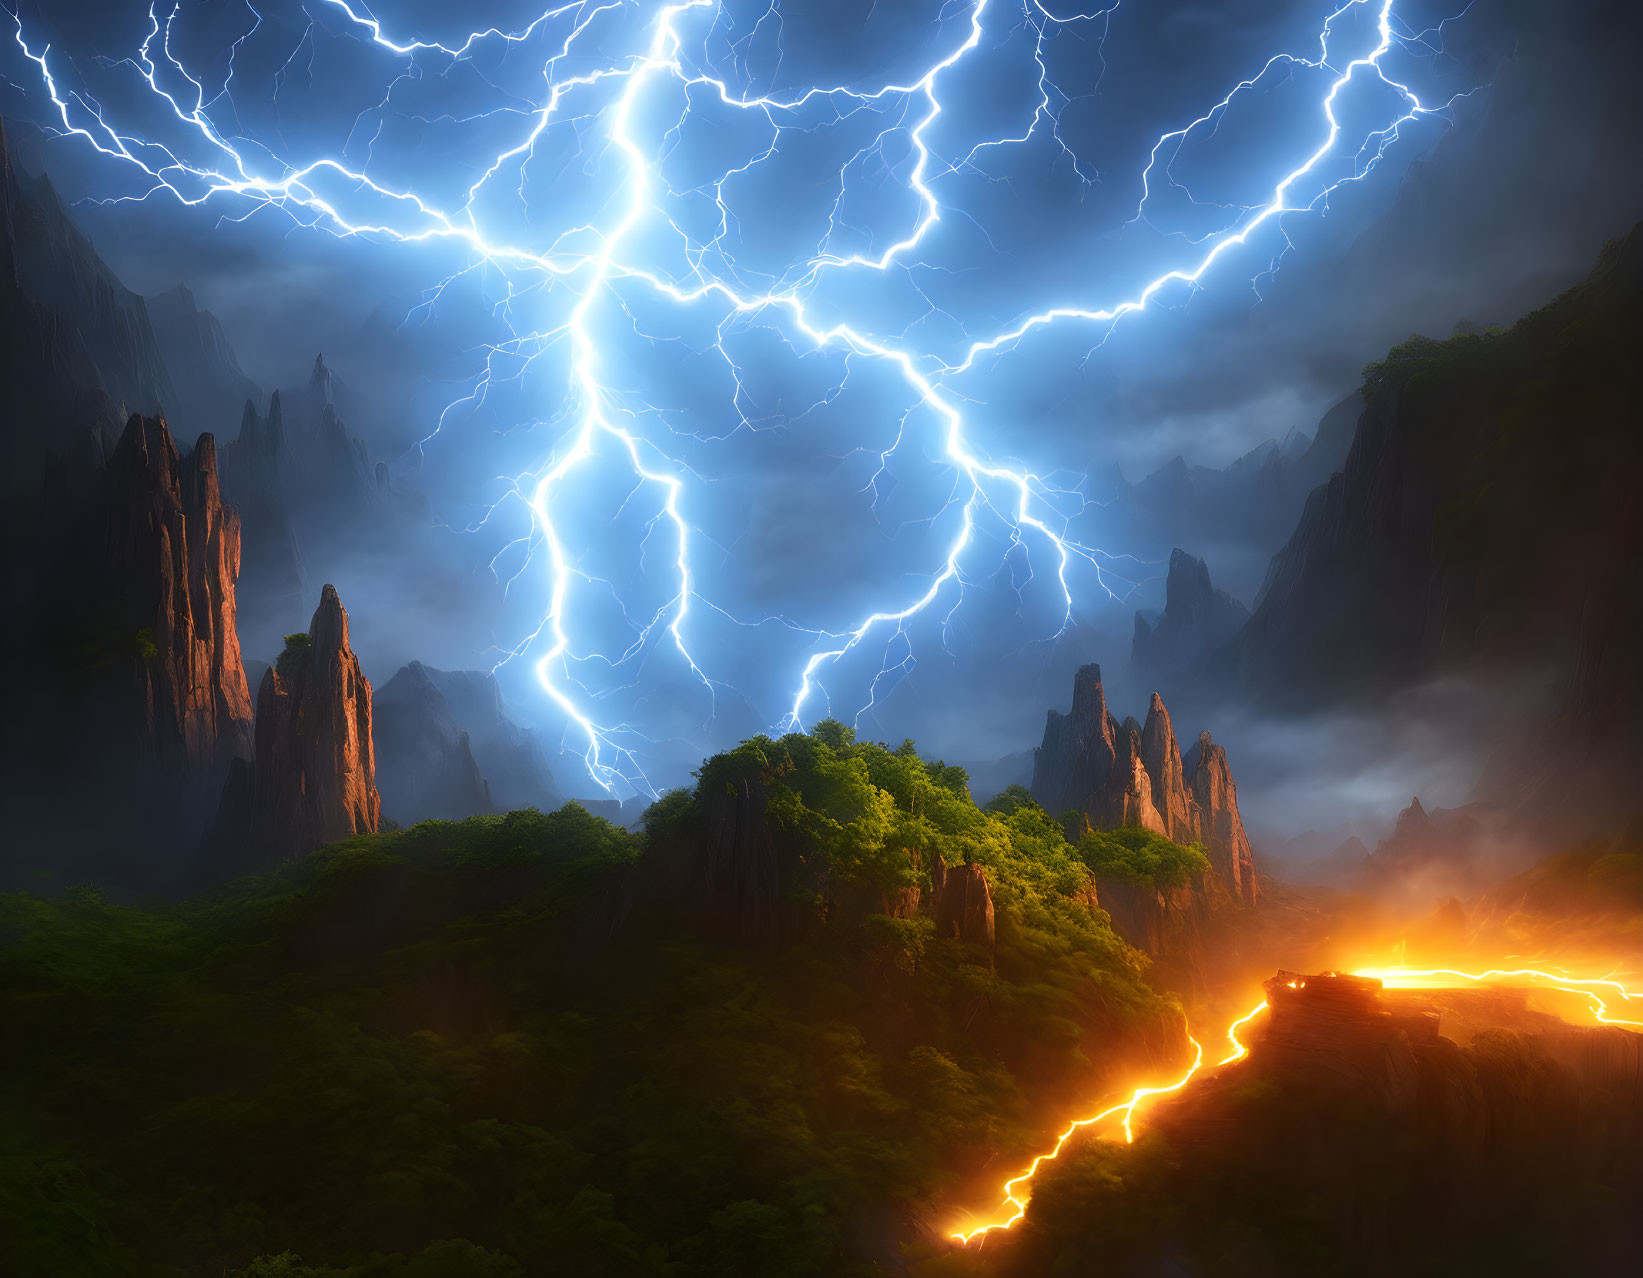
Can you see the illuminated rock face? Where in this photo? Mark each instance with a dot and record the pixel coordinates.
(962, 904)
(314, 777)
(1135, 775)
(173, 555)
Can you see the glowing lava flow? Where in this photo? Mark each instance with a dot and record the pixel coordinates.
(1417, 978)
(1595, 989)
(1016, 1204)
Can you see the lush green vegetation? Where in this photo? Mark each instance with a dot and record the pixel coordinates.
(1141, 857)
(515, 1045)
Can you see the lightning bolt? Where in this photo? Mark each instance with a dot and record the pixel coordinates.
(606, 261)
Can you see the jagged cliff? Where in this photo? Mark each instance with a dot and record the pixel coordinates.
(425, 761)
(173, 556)
(57, 268)
(1197, 619)
(258, 469)
(136, 700)
(60, 406)
(1131, 774)
(1485, 515)
(313, 778)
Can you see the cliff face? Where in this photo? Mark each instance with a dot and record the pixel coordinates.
(314, 776)
(1135, 775)
(962, 904)
(1073, 766)
(750, 882)
(173, 554)
(1484, 515)
(1197, 619)
(1215, 798)
(59, 403)
(135, 701)
(425, 762)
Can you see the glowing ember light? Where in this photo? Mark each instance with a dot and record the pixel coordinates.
(1595, 989)
(1589, 988)
(1015, 1201)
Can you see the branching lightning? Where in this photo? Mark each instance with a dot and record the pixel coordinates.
(606, 261)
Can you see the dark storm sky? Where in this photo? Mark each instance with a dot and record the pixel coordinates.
(1478, 216)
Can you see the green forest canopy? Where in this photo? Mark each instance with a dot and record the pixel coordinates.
(482, 1048)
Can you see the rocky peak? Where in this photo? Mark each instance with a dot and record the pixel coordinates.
(319, 381)
(259, 456)
(1130, 799)
(1079, 750)
(314, 775)
(173, 555)
(1161, 754)
(1197, 619)
(1187, 588)
(276, 417)
(1209, 779)
(1412, 821)
(1132, 775)
(250, 425)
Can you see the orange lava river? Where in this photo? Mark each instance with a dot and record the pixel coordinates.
(1599, 992)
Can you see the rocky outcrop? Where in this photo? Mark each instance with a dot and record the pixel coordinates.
(1220, 827)
(173, 556)
(1130, 796)
(961, 904)
(1073, 766)
(1135, 775)
(1161, 755)
(1197, 619)
(1149, 917)
(313, 779)
(261, 455)
(425, 762)
(1443, 850)
(134, 700)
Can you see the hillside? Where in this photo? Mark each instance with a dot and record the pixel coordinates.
(524, 1044)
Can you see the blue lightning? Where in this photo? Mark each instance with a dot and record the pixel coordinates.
(603, 260)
